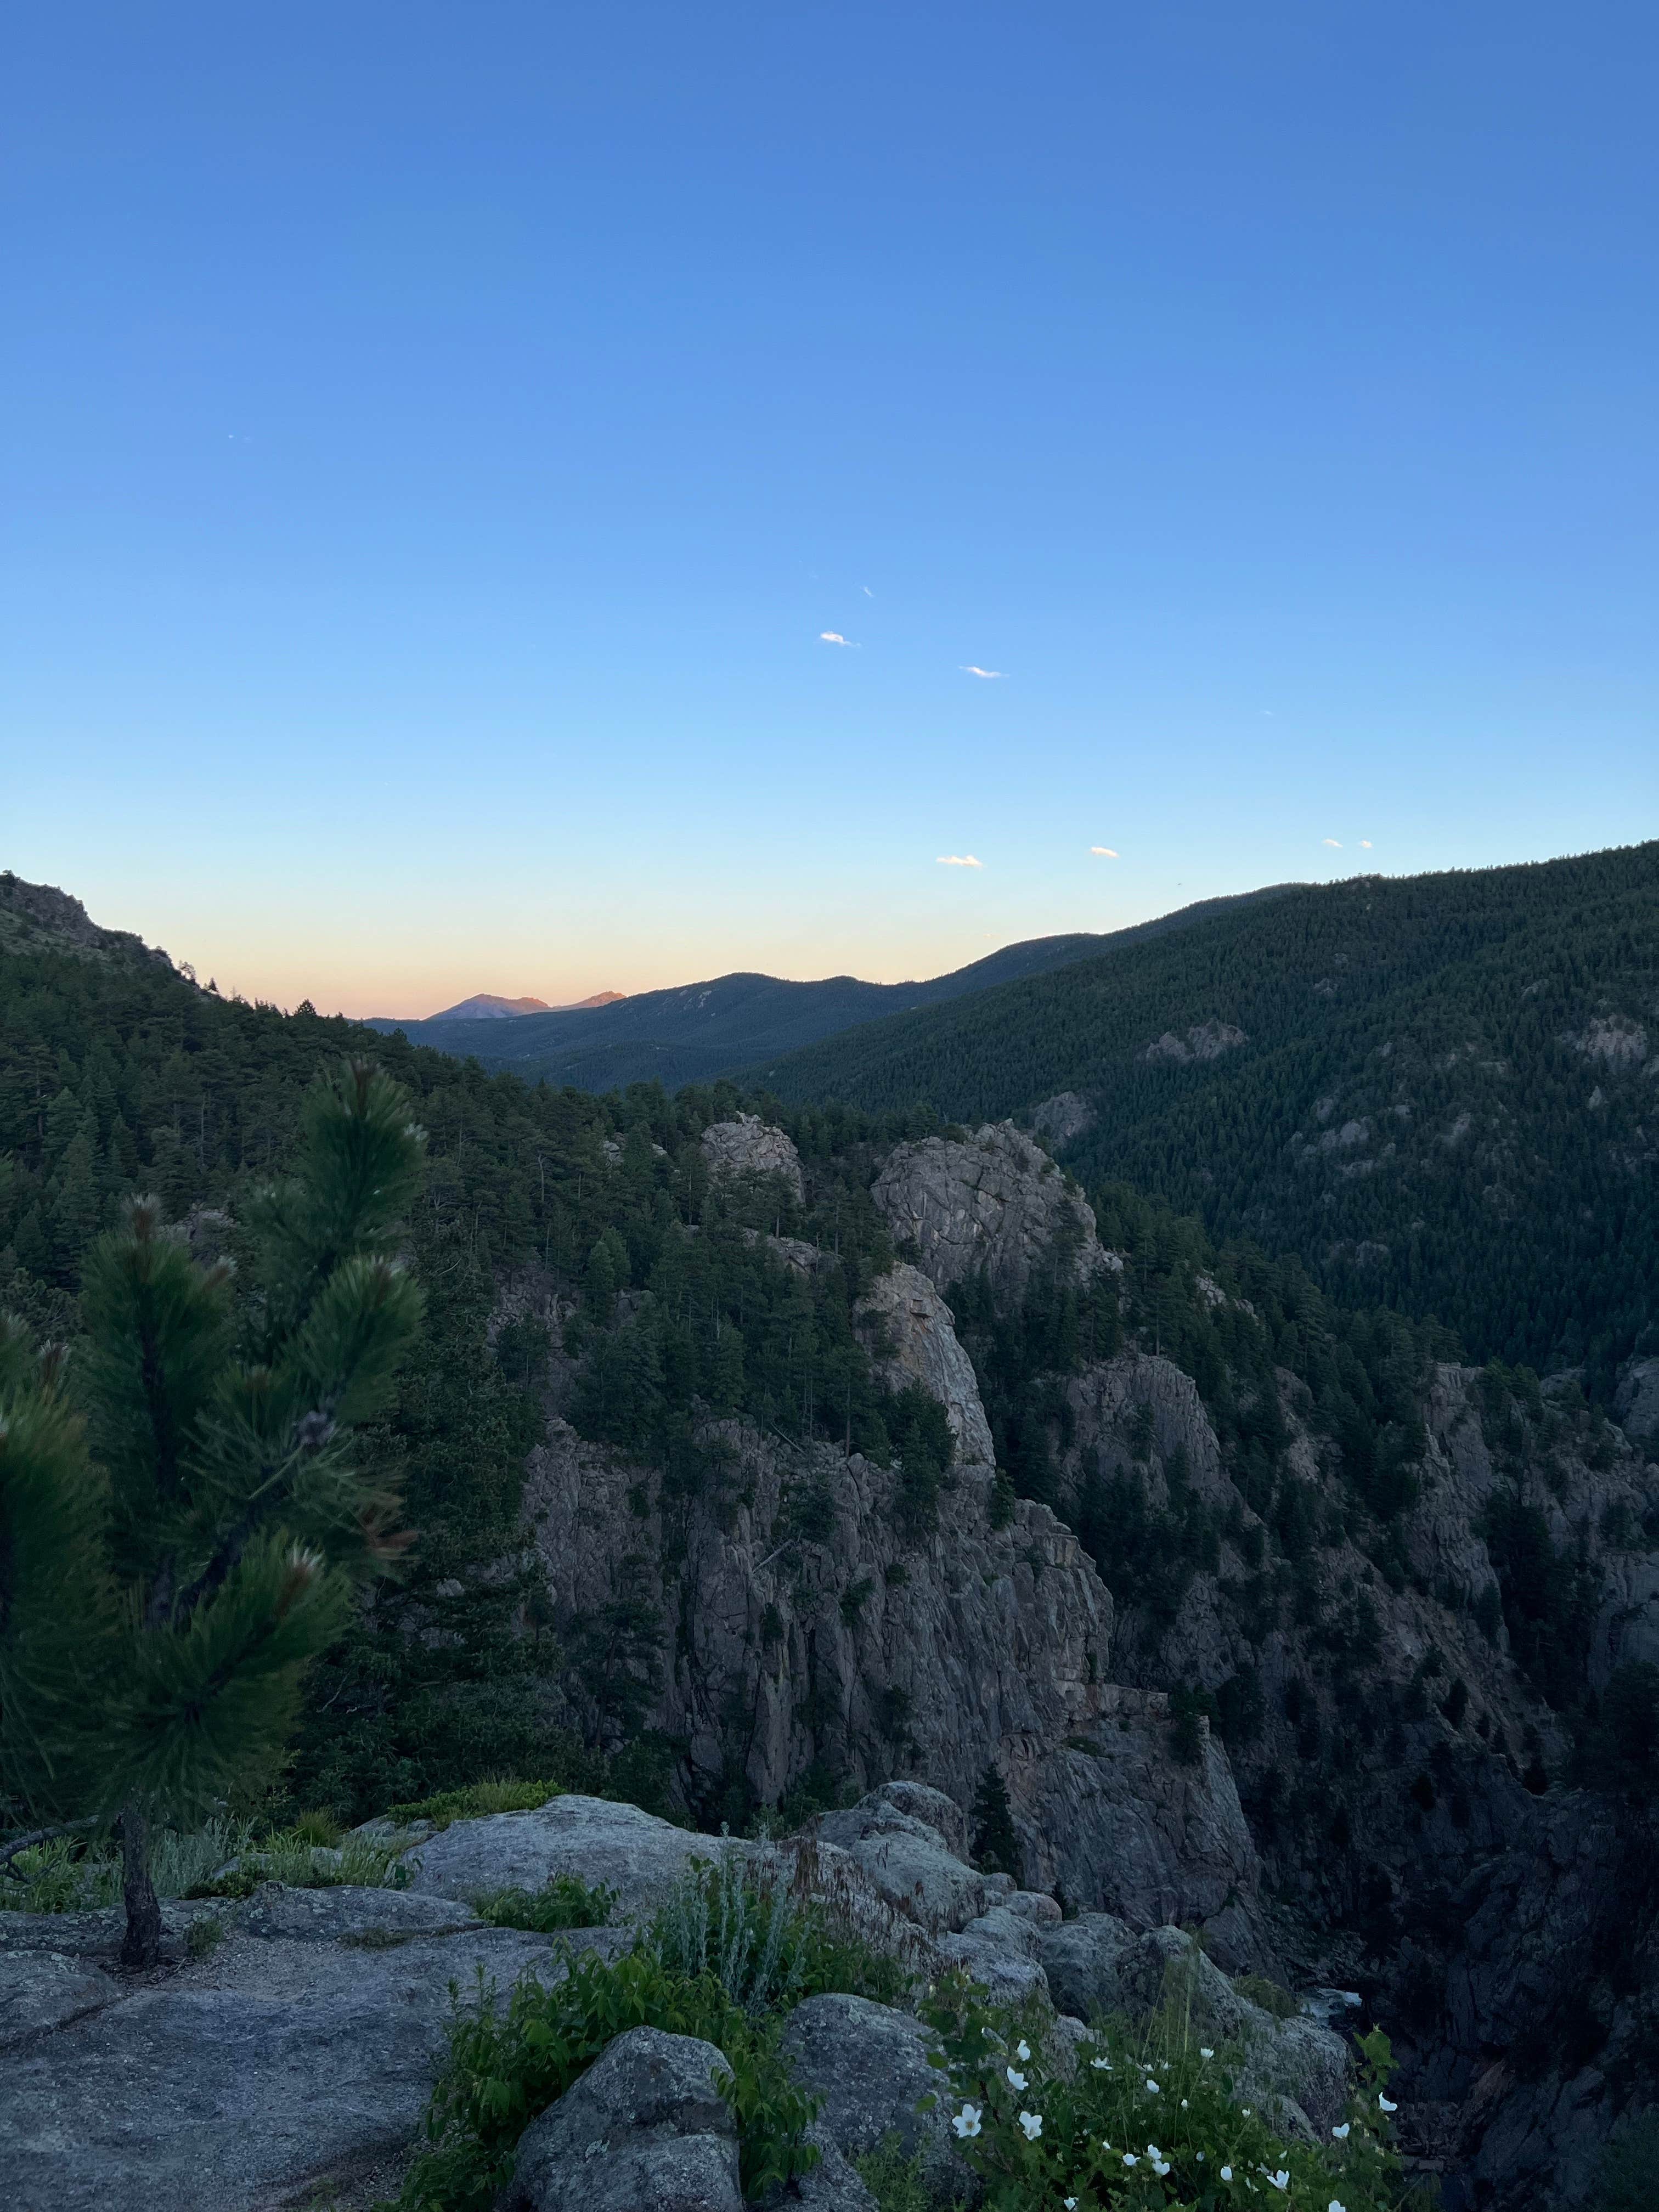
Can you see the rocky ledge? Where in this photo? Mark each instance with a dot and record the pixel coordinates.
(285, 2049)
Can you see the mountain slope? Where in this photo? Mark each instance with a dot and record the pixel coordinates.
(1442, 1091)
(38, 918)
(698, 1031)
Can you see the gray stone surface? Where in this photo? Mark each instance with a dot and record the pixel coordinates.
(1204, 1040)
(994, 1201)
(1062, 1117)
(868, 2065)
(931, 1807)
(1637, 1402)
(1083, 1959)
(282, 2061)
(908, 1862)
(1034, 1905)
(909, 1325)
(999, 1950)
(832, 2186)
(639, 1856)
(750, 1146)
(996, 1637)
(645, 2130)
(43, 1989)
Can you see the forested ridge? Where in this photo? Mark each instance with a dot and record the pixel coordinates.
(117, 1075)
(1443, 1098)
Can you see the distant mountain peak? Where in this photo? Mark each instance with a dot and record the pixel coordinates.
(488, 1006)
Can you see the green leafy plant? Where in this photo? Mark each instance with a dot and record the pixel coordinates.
(506, 2066)
(567, 1901)
(1139, 2122)
(473, 1802)
(766, 1941)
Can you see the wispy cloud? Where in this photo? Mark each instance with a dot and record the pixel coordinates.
(991, 674)
(958, 860)
(834, 637)
(1335, 843)
(866, 590)
(1105, 852)
(1365, 844)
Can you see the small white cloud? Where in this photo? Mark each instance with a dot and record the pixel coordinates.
(866, 590)
(1105, 852)
(991, 674)
(1365, 844)
(1335, 843)
(834, 637)
(958, 860)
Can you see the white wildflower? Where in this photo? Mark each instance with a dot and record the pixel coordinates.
(1015, 2080)
(1387, 2104)
(1226, 2173)
(1334, 2206)
(1129, 2159)
(1022, 2051)
(1101, 2065)
(966, 2122)
(1160, 2166)
(1205, 2051)
(1071, 2204)
(1032, 2123)
(1184, 2104)
(1152, 2086)
(1282, 2180)
(1341, 2133)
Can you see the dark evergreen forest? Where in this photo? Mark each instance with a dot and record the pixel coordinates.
(1444, 1099)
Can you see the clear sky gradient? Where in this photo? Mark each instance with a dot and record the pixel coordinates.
(435, 439)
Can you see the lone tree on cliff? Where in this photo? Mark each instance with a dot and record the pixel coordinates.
(182, 1517)
(996, 1841)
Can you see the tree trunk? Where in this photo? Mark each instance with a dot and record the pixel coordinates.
(141, 1946)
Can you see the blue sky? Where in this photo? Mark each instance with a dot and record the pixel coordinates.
(434, 440)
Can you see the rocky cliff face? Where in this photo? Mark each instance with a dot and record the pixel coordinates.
(782, 1628)
(1390, 1812)
(993, 1202)
(911, 1336)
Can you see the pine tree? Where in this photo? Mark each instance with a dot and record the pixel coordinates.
(179, 1542)
(996, 1843)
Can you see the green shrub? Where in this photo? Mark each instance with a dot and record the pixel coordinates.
(1268, 1995)
(897, 2183)
(1141, 2122)
(567, 1901)
(766, 1947)
(473, 1802)
(504, 2068)
(223, 1858)
(1628, 2179)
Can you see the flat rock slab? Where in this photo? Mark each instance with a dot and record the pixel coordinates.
(283, 2063)
(43, 1989)
(640, 1857)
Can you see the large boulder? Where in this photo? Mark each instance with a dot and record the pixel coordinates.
(867, 2065)
(639, 1856)
(1096, 1964)
(645, 2130)
(1295, 2069)
(999, 1950)
(993, 1202)
(749, 1147)
(909, 1862)
(915, 1341)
